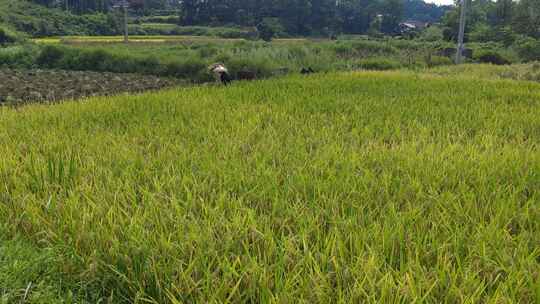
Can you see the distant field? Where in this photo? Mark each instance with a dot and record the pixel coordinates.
(136, 38)
(367, 187)
(152, 38)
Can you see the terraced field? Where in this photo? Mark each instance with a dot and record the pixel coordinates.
(366, 187)
(132, 38)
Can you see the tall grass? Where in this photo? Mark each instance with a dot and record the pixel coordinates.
(373, 187)
(189, 58)
(178, 56)
(530, 72)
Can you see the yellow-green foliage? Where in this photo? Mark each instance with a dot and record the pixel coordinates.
(152, 38)
(132, 38)
(372, 187)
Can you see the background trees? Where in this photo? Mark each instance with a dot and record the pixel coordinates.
(487, 19)
(499, 20)
(298, 17)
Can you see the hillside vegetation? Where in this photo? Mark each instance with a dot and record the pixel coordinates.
(370, 187)
(38, 21)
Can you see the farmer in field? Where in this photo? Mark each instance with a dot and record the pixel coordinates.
(221, 73)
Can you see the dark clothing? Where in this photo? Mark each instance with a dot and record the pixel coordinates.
(225, 78)
(305, 71)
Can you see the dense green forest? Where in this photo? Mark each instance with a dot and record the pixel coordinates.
(496, 20)
(511, 23)
(487, 20)
(299, 17)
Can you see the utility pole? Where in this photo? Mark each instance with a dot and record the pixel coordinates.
(123, 4)
(126, 34)
(459, 52)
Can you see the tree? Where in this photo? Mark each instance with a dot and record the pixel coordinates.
(294, 17)
(503, 12)
(527, 18)
(269, 28)
(392, 11)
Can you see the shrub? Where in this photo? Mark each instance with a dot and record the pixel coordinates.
(222, 57)
(124, 64)
(380, 64)
(448, 34)
(192, 68)
(7, 37)
(528, 48)
(95, 60)
(17, 56)
(432, 33)
(233, 33)
(298, 52)
(531, 76)
(58, 57)
(270, 28)
(343, 50)
(222, 32)
(209, 51)
(492, 57)
(259, 66)
(50, 56)
(160, 19)
(486, 33)
(363, 48)
(148, 65)
(373, 47)
(434, 61)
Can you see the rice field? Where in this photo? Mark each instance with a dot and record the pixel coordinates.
(364, 187)
(157, 39)
(524, 71)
